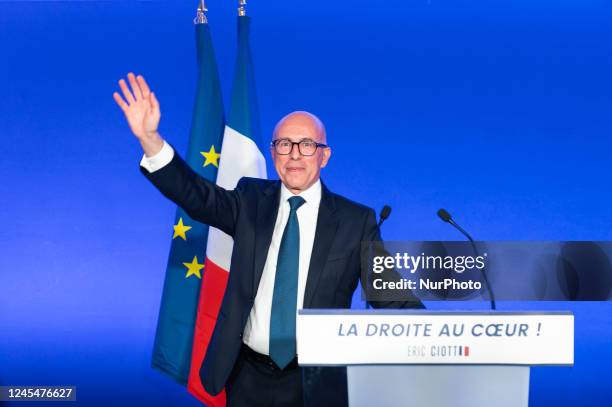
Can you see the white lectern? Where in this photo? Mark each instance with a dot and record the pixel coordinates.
(432, 358)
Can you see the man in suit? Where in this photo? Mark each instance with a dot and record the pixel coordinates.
(296, 245)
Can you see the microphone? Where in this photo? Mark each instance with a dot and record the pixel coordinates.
(446, 217)
(384, 214)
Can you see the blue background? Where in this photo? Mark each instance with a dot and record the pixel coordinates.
(498, 111)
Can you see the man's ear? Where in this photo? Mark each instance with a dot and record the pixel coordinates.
(326, 154)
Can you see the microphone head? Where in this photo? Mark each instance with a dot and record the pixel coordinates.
(385, 212)
(444, 215)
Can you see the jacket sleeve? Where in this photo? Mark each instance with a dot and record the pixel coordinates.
(372, 234)
(202, 200)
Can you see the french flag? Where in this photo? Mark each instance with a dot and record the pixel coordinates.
(241, 156)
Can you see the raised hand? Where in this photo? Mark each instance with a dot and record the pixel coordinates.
(141, 110)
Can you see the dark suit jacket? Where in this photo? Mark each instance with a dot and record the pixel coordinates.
(248, 214)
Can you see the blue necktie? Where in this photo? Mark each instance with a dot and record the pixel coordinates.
(282, 317)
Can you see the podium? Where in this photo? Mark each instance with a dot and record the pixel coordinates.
(433, 358)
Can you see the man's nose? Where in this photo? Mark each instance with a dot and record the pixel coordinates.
(295, 152)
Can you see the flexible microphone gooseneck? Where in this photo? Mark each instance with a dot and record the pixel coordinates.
(384, 214)
(446, 217)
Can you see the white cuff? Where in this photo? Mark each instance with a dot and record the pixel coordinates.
(159, 160)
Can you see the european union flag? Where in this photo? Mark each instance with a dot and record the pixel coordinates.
(179, 303)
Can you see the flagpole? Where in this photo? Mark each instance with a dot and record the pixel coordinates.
(200, 17)
(241, 8)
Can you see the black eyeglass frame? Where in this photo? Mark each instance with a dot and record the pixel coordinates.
(318, 145)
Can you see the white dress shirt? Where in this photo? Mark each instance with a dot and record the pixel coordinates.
(257, 330)
(159, 160)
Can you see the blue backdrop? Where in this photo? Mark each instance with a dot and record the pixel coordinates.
(498, 111)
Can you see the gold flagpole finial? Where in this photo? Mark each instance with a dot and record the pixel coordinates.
(241, 8)
(200, 17)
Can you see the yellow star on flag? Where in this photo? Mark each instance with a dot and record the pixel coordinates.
(180, 229)
(212, 157)
(194, 268)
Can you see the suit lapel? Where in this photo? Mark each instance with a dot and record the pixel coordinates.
(327, 223)
(267, 210)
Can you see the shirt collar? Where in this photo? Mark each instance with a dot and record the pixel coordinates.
(312, 195)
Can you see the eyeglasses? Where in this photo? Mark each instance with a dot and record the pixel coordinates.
(306, 147)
